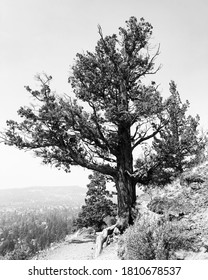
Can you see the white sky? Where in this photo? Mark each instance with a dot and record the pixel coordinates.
(45, 35)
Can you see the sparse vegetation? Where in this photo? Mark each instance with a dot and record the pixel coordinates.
(155, 240)
(179, 230)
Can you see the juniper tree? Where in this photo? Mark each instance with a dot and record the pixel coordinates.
(178, 143)
(118, 112)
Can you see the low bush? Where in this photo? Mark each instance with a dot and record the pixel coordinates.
(155, 240)
(159, 205)
(163, 205)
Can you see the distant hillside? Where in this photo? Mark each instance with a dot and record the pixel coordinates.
(42, 196)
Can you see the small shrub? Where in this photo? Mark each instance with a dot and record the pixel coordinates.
(191, 177)
(164, 205)
(18, 254)
(154, 240)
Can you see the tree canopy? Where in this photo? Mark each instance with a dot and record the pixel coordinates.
(109, 81)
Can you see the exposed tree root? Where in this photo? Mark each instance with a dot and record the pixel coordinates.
(118, 228)
(102, 238)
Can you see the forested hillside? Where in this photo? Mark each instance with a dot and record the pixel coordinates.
(34, 218)
(39, 196)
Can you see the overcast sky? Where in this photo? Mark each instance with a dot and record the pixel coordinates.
(45, 35)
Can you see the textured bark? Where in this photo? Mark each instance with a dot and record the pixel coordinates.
(125, 185)
(126, 198)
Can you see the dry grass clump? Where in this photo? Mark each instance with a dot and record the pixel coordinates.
(155, 240)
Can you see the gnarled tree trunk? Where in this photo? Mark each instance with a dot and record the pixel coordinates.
(126, 197)
(125, 185)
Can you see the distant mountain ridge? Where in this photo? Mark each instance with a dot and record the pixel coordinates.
(42, 195)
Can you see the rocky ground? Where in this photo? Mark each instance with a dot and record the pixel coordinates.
(185, 200)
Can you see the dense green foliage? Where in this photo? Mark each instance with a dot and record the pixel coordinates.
(98, 204)
(24, 233)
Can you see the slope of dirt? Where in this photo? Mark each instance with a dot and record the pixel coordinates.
(185, 200)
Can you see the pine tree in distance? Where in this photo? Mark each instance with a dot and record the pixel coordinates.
(98, 204)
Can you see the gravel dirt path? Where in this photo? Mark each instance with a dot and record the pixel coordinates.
(77, 251)
(71, 251)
